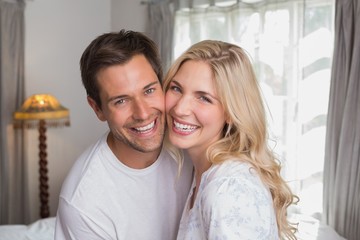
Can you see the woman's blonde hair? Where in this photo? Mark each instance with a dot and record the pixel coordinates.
(245, 135)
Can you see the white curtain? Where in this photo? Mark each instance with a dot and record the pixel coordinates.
(342, 158)
(13, 197)
(291, 45)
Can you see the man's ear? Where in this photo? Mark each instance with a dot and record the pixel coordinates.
(96, 108)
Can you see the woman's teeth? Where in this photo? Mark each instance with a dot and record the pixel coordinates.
(184, 127)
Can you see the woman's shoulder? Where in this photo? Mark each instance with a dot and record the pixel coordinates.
(231, 169)
(234, 176)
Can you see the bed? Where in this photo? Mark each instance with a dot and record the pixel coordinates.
(310, 228)
(43, 229)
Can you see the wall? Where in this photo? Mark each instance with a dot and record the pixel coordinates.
(56, 33)
(128, 14)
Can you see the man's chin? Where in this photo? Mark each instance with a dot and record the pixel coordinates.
(148, 148)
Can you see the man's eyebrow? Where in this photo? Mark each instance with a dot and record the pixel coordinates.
(151, 84)
(116, 97)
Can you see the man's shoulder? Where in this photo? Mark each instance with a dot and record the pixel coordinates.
(81, 168)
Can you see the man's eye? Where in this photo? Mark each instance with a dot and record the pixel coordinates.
(120, 101)
(151, 90)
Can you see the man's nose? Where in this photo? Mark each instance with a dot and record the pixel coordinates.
(141, 109)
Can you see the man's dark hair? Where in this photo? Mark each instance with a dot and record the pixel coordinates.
(115, 48)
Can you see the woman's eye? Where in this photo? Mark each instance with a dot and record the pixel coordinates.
(175, 88)
(205, 99)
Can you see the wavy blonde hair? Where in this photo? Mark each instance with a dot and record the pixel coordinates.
(245, 136)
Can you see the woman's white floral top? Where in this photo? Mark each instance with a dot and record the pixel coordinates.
(231, 203)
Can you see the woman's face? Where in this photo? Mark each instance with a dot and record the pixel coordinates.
(194, 113)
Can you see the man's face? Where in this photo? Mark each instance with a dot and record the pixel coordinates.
(132, 104)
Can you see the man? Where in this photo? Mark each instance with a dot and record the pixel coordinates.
(126, 186)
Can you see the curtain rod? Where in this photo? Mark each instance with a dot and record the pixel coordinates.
(12, 1)
(147, 2)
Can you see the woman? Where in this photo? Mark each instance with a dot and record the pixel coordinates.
(216, 116)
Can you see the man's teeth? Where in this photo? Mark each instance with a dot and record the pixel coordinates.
(146, 128)
(184, 127)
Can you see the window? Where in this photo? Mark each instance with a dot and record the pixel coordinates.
(291, 45)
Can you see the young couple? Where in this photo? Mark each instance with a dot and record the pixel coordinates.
(208, 175)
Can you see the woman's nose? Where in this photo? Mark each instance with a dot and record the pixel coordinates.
(183, 106)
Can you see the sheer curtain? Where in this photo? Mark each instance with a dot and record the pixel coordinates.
(291, 45)
(160, 28)
(13, 196)
(342, 162)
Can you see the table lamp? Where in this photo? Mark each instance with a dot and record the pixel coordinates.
(42, 111)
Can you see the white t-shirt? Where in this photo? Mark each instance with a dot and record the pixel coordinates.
(102, 198)
(231, 203)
